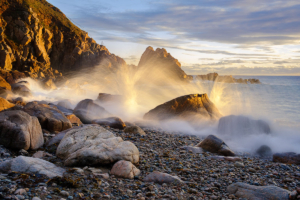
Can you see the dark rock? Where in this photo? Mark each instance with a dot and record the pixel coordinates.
(242, 125)
(21, 89)
(113, 122)
(288, 157)
(214, 144)
(264, 151)
(243, 190)
(50, 118)
(86, 110)
(18, 130)
(185, 107)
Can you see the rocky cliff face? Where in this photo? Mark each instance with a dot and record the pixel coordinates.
(38, 39)
(160, 65)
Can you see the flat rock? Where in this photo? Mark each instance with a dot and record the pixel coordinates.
(192, 149)
(18, 130)
(50, 118)
(31, 165)
(288, 157)
(159, 177)
(41, 154)
(214, 144)
(113, 122)
(125, 169)
(243, 190)
(134, 130)
(94, 145)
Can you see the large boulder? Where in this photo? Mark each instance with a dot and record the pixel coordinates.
(124, 169)
(214, 144)
(50, 118)
(185, 107)
(242, 125)
(87, 110)
(94, 145)
(4, 104)
(288, 157)
(31, 165)
(245, 191)
(18, 130)
(113, 122)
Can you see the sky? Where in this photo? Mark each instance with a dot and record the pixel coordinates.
(231, 37)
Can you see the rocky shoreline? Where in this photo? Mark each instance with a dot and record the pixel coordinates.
(202, 175)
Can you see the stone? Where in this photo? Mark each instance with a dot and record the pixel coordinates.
(214, 144)
(50, 118)
(159, 177)
(113, 122)
(73, 119)
(124, 169)
(245, 191)
(288, 157)
(4, 104)
(136, 130)
(188, 107)
(94, 145)
(18, 130)
(31, 165)
(41, 154)
(21, 89)
(86, 110)
(241, 125)
(239, 164)
(264, 151)
(4, 84)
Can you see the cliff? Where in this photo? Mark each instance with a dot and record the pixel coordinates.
(38, 39)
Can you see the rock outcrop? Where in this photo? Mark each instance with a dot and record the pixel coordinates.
(38, 39)
(31, 165)
(18, 130)
(94, 145)
(185, 107)
(4, 104)
(241, 125)
(214, 144)
(160, 67)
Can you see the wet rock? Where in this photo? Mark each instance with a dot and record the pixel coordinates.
(4, 104)
(18, 130)
(214, 144)
(86, 110)
(242, 125)
(159, 177)
(113, 122)
(288, 157)
(94, 145)
(50, 118)
(185, 107)
(31, 165)
(243, 190)
(134, 130)
(124, 169)
(21, 89)
(264, 151)
(73, 119)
